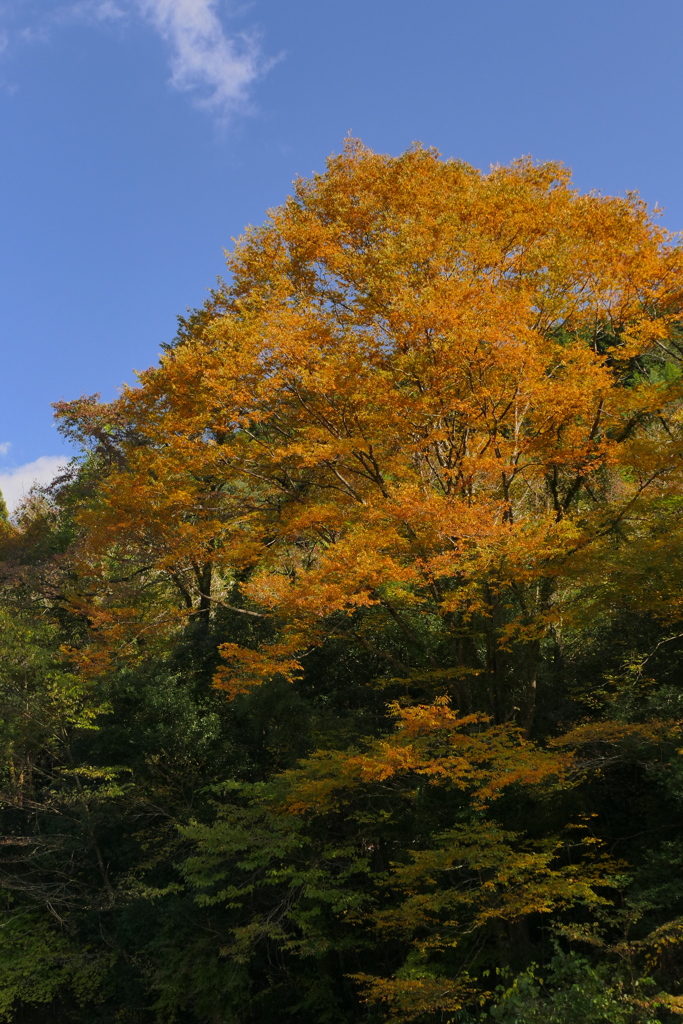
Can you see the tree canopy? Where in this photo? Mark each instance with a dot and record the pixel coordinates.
(341, 673)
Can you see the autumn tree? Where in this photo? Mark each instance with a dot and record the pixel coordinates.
(340, 673)
(435, 413)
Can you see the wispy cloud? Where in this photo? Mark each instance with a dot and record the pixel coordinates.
(203, 55)
(216, 65)
(5, 447)
(16, 483)
(94, 10)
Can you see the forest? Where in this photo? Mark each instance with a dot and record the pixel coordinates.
(341, 673)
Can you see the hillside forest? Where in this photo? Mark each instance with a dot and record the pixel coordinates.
(341, 673)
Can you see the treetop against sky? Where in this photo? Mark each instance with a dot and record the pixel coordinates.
(419, 378)
(140, 136)
(340, 675)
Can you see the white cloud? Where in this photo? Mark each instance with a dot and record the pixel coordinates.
(5, 447)
(207, 59)
(203, 55)
(16, 483)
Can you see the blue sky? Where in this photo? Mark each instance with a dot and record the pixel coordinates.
(138, 136)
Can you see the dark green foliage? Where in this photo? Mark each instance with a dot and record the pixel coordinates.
(569, 990)
(150, 875)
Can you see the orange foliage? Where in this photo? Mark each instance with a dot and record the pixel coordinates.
(425, 396)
